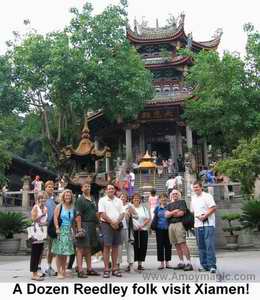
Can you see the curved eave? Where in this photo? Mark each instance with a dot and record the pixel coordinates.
(164, 103)
(207, 45)
(138, 39)
(171, 101)
(180, 61)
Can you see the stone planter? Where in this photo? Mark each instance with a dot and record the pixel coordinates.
(10, 246)
(256, 239)
(192, 245)
(232, 242)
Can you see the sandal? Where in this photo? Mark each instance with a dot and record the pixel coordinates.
(140, 268)
(106, 274)
(161, 268)
(82, 275)
(92, 273)
(128, 269)
(116, 273)
(37, 278)
(169, 267)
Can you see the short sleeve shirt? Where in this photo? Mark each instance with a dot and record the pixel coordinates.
(180, 204)
(113, 208)
(50, 204)
(86, 209)
(200, 205)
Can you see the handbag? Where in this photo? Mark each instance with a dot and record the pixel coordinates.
(188, 219)
(155, 220)
(51, 226)
(100, 243)
(37, 232)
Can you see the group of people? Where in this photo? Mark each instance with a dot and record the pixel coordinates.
(174, 182)
(83, 228)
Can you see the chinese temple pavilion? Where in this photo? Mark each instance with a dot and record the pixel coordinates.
(159, 127)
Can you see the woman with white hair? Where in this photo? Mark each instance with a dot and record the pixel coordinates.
(175, 210)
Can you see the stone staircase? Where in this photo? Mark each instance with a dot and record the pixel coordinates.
(152, 246)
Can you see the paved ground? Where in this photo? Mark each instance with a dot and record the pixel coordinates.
(232, 266)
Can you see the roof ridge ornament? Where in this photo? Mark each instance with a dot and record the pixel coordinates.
(135, 25)
(218, 33)
(181, 19)
(85, 131)
(189, 40)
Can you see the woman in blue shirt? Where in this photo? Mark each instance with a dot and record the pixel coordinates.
(164, 248)
(62, 246)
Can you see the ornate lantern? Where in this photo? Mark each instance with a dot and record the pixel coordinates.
(147, 172)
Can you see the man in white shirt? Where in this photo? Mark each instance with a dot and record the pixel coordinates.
(111, 215)
(132, 178)
(170, 184)
(203, 206)
(179, 181)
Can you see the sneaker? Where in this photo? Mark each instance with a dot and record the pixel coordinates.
(213, 270)
(50, 272)
(202, 270)
(180, 266)
(188, 267)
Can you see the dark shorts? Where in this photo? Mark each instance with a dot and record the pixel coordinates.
(111, 237)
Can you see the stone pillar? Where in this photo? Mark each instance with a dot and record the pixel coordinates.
(96, 162)
(107, 165)
(128, 139)
(205, 153)
(179, 141)
(120, 148)
(173, 147)
(189, 137)
(141, 142)
(25, 192)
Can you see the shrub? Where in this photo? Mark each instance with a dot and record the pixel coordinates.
(230, 217)
(12, 223)
(250, 217)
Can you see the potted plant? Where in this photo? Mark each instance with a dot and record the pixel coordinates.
(250, 218)
(231, 230)
(10, 224)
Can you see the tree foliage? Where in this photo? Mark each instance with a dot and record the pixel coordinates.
(10, 96)
(88, 66)
(244, 164)
(226, 103)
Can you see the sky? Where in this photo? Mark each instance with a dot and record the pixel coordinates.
(203, 17)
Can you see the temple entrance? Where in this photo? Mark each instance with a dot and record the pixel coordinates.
(162, 149)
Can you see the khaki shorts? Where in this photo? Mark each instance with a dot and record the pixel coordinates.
(177, 233)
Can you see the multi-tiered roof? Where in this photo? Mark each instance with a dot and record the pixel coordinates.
(167, 66)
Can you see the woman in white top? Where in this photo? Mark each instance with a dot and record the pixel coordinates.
(140, 224)
(127, 237)
(39, 218)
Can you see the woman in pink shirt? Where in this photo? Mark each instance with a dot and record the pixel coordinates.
(153, 201)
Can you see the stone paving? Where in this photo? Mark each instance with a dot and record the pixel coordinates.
(240, 266)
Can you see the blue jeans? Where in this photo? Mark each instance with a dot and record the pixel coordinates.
(205, 237)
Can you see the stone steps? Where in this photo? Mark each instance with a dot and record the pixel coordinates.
(152, 246)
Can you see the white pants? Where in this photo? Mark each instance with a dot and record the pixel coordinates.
(128, 246)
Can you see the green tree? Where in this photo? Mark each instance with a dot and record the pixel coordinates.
(10, 96)
(88, 66)
(119, 83)
(226, 102)
(10, 141)
(244, 164)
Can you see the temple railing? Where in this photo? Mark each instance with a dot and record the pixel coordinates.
(172, 93)
(16, 199)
